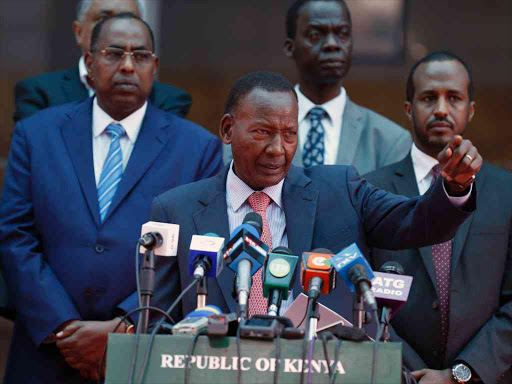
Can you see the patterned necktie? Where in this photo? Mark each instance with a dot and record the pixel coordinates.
(442, 255)
(314, 148)
(112, 170)
(259, 202)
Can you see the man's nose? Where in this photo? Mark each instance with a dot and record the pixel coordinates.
(275, 146)
(127, 63)
(441, 109)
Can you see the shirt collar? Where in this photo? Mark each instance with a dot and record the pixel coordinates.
(422, 163)
(82, 71)
(238, 192)
(332, 107)
(131, 123)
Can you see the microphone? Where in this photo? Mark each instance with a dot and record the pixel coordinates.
(205, 255)
(245, 254)
(159, 239)
(278, 274)
(391, 287)
(356, 272)
(162, 238)
(317, 275)
(196, 321)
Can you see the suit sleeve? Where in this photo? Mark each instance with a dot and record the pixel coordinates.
(410, 357)
(489, 353)
(42, 304)
(28, 99)
(396, 222)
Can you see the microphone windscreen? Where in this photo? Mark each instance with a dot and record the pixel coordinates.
(255, 220)
(322, 250)
(392, 267)
(282, 250)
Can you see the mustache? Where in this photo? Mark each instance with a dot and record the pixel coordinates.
(437, 121)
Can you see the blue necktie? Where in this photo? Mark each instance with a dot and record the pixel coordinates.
(314, 148)
(112, 170)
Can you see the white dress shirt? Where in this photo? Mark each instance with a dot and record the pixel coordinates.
(82, 71)
(332, 123)
(101, 140)
(237, 193)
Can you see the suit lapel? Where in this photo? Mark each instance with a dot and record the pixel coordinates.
(462, 233)
(78, 140)
(404, 182)
(350, 134)
(73, 87)
(150, 142)
(300, 208)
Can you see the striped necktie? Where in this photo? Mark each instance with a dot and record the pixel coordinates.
(112, 170)
(259, 201)
(314, 148)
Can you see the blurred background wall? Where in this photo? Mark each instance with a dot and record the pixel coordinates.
(205, 45)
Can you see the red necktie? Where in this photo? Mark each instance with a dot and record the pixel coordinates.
(259, 202)
(441, 256)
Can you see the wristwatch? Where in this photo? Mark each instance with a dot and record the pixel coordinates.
(461, 373)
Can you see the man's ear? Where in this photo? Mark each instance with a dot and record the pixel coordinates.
(77, 30)
(289, 48)
(227, 124)
(408, 110)
(472, 107)
(88, 65)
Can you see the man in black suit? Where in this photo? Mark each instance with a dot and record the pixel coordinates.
(56, 88)
(458, 318)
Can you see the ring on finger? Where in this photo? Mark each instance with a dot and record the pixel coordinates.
(469, 157)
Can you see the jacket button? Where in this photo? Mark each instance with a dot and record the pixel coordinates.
(99, 248)
(435, 305)
(435, 352)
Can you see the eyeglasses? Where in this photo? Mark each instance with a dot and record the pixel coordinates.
(117, 55)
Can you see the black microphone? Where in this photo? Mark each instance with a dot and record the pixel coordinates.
(391, 289)
(245, 254)
(277, 277)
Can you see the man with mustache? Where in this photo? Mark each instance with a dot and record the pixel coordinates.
(78, 187)
(457, 323)
(303, 209)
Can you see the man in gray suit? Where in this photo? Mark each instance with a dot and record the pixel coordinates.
(332, 128)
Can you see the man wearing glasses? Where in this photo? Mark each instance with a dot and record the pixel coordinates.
(60, 87)
(78, 187)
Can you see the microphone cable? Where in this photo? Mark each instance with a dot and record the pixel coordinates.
(190, 353)
(278, 358)
(157, 328)
(305, 341)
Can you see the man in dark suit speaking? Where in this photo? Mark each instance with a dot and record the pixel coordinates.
(56, 88)
(78, 186)
(325, 206)
(459, 311)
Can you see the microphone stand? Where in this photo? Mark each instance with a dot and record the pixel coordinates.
(274, 302)
(358, 314)
(202, 291)
(384, 319)
(313, 320)
(147, 286)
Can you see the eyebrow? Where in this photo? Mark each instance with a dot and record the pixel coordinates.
(139, 48)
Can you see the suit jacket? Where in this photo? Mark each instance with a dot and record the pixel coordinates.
(61, 262)
(55, 88)
(368, 140)
(328, 206)
(480, 327)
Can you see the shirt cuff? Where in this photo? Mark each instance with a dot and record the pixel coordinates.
(459, 201)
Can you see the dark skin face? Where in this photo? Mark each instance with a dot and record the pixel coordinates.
(262, 131)
(441, 108)
(121, 88)
(322, 49)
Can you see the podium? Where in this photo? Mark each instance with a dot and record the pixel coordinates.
(216, 361)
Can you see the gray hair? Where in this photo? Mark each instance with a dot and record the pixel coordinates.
(84, 5)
